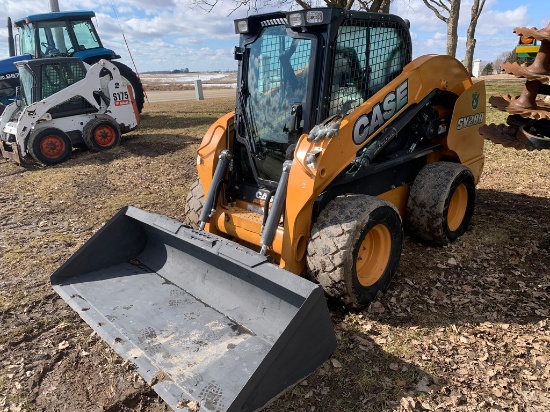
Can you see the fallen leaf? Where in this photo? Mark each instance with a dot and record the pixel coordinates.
(193, 406)
(63, 345)
(336, 363)
(423, 385)
(408, 404)
(377, 307)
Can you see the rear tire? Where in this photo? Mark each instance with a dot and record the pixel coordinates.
(130, 77)
(101, 133)
(355, 248)
(49, 146)
(441, 202)
(193, 204)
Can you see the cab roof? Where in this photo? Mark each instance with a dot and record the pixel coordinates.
(55, 16)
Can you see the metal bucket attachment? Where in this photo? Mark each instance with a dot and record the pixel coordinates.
(203, 319)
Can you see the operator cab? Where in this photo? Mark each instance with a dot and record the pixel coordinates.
(297, 69)
(66, 34)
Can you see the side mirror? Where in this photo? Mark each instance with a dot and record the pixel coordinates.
(238, 53)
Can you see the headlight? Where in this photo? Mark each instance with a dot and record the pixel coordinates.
(295, 19)
(241, 26)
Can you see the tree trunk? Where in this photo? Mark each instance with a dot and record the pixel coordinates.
(452, 27)
(470, 35)
(452, 7)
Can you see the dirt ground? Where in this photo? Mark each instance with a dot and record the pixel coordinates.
(462, 328)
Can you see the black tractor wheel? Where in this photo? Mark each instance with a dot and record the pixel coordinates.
(441, 202)
(49, 146)
(193, 204)
(101, 133)
(130, 77)
(355, 247)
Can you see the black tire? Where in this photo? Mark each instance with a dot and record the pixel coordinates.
(132, 78)
(355, 247)
(441, 202)
(101, 133)
(193, 204)
(49, 146)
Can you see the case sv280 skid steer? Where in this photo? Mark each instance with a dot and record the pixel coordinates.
(62, 103)
(337, 138)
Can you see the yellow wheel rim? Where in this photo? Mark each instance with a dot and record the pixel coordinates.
(457, 207)
(373, 255)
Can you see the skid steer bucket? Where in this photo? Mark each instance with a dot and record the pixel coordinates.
(203, 319)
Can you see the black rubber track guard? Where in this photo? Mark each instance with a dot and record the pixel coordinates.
(203, 319)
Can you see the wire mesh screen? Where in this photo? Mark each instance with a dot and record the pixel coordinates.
(368, 55)
(57, 76)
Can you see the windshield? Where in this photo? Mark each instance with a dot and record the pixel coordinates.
(54, 39)
(27, 85)
(276, 78)
(85, 35)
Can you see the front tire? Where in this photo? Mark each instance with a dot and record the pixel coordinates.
(441, 202)
(193, 204)
(49, 146)
(355, 247)
(131, 78)
(101, 133)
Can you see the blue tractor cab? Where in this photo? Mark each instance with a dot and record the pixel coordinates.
(66, 34)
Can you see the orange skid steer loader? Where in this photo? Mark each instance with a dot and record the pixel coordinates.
(338, 137)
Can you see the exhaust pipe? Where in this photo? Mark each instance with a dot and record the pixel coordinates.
(11, 41)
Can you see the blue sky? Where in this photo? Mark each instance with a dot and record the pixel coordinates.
(174, 34)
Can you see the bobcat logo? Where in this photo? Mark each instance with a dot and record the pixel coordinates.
(475, 100)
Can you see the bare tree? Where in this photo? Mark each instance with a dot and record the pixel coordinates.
(447, 11)
(377, 6)
(477, 8)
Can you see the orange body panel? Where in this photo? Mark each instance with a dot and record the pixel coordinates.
(464, 144)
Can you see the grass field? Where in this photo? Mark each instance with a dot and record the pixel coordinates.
(462, 328)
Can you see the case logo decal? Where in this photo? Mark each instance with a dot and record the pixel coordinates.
(382, 111)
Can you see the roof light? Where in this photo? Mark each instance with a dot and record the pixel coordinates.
(295, 19)
(314, 17)
(242, 26)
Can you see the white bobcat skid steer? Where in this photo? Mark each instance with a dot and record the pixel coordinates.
(63, 102)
